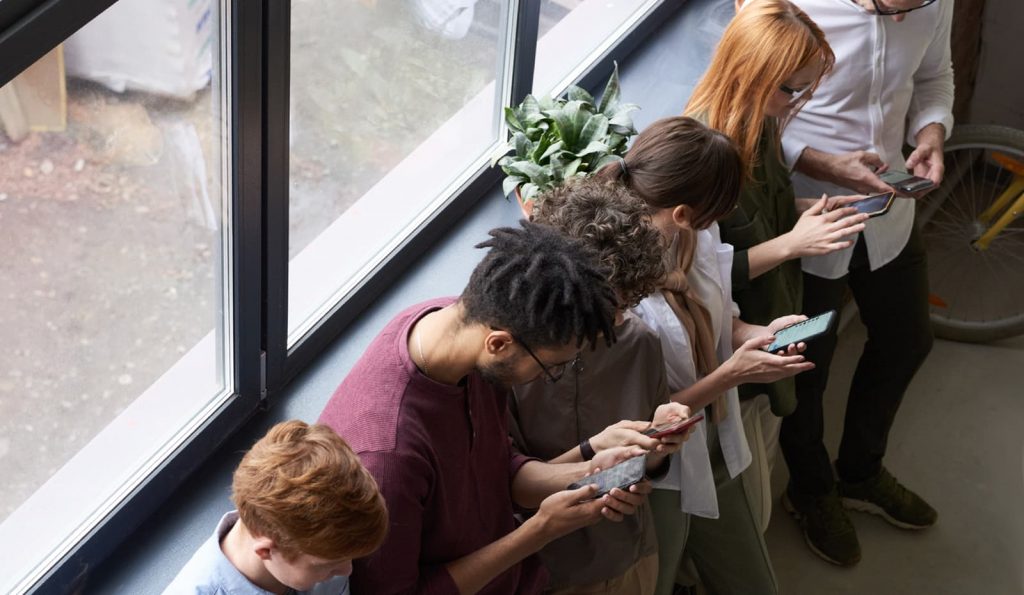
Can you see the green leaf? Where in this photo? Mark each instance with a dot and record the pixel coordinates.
(578, 94)
(534, 172)
(594, 147)
(529, 191)
(569, 122)
(610, 96)
(529, 106)
(571, 168)
(596, 129)
(603, 161)
(523, 145)
(556, 147)
(508, 186)
(512, 119)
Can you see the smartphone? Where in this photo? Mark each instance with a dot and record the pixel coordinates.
(876, 205)
(905, 182)
(804, 331)
(676, 427)
(620, 476)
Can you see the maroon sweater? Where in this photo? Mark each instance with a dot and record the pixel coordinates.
(442, 459)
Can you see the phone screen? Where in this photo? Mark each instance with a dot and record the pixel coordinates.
(897, 177)
(878, 203)
(801, 331)
(623, 475)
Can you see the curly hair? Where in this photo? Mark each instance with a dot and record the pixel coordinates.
(617, 224)
(303, 486)
(543, 287)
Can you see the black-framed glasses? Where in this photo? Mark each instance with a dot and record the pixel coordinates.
(891, 11)
(552, 373)
(795, 94)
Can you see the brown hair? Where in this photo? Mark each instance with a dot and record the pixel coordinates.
(679, 161)
(764, 44)
(302, 486)
(617, 224)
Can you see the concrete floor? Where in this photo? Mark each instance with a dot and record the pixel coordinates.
(958, 440)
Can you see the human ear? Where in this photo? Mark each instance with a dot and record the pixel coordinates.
(263, 546)
(498, 341)
(682, 215)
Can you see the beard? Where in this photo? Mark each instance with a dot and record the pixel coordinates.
(499, 373)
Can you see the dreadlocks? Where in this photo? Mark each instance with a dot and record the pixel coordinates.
(542, 287)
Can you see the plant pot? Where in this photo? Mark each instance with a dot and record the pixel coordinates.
(525, 206)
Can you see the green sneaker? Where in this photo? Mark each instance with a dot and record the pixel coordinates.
(886, 497)
(826, 526)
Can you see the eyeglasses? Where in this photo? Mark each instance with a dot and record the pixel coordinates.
(796, 94)
(554, 372)
(890, 11)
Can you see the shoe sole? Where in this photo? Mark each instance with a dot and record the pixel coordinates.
(868, 507)
(788, 505)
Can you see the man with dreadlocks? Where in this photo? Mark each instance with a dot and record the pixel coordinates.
(426, 410)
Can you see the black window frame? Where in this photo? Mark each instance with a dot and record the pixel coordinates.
(258, 80)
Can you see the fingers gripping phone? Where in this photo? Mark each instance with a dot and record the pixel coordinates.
(623, 475)
(876, 205)
(905, 182)
(804, 331)
(676, 427)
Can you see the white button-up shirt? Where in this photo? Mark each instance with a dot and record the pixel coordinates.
(890, 80)
(691, 473)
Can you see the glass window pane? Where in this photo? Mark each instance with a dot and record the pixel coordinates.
(392, 103)
(112, 199)
(575, 33)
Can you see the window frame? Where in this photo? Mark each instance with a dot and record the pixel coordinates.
(258, 32)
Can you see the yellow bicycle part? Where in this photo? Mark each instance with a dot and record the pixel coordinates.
(1015, 192)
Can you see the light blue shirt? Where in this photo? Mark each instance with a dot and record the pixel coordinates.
(209, 572)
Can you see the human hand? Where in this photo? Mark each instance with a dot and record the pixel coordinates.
(565, 511)
(623, 433)
(751, 364)
(619, 503)
(613, 456)
(858, 170)
(669, 413)
(821, 231)
(927, 159)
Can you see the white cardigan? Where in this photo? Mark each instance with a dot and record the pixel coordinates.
(691, 466)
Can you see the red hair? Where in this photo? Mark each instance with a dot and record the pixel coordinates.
(766, 42)
(302, 486)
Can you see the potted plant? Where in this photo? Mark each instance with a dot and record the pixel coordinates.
(553, 140)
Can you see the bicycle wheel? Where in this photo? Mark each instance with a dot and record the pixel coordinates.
(976, 295)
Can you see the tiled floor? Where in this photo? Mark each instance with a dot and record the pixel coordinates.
(958, 441)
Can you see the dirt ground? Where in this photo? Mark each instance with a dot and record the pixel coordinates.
(111, 228)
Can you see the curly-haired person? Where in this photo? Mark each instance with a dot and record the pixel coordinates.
(426, 409)
(306, 508)
(579, 416)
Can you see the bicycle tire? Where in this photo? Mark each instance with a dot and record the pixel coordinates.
(969, 287)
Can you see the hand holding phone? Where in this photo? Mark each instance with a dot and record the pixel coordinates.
(875, 205)
(906, 183)
(670, 429)
(623, 475)
(803, 332)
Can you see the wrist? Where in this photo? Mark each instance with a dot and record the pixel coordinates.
(537, 532)
(587, 450)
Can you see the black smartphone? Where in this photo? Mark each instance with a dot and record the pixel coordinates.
(905, 182)
(804, 331)
(620, 476)
(876, 205)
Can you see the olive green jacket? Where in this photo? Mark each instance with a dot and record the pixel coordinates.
(767, 209)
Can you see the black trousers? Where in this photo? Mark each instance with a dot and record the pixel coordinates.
(893, 304)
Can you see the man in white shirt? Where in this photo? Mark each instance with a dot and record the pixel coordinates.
(892, 83)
